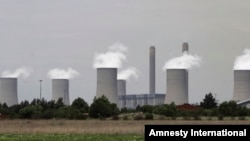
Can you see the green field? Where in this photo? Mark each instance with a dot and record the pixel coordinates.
(70, 137)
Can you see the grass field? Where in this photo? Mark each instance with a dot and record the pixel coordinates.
(70, 137)
(88, 130)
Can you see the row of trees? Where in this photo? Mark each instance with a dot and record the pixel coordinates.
(102, 108)
(42, 109)
(207, 108)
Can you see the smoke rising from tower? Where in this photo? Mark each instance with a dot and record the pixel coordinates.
(113, 58)
(186, 61)
(20, 72)
(128, 73)
(62, 74)
(243, 62)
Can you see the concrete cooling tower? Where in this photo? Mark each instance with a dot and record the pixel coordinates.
(152, 70)
(241, 85)
(107, 84)
(121, 87)
(60, 89)
(177, 86)
(8, 91)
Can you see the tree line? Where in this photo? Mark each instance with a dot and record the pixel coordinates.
(101, 108)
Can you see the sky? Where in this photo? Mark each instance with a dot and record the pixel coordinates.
(62, 34)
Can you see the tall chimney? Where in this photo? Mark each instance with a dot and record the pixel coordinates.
(152, 70)
(185, 47)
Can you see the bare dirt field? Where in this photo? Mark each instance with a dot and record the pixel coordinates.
(98, 126)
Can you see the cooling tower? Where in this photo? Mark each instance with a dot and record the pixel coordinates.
(152, 70)
(241, 85)
(177, 86)
(121, 87)
(8, 91)
(185, 47)
(107, 84)
(60, 89)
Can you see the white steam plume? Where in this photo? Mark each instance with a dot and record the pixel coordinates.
(186, 61)
(112, 58)
(62, 74)
(20, 72)
(126, 74)
(243, 62)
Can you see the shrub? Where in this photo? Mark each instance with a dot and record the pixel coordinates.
(139, 116)
(149, 116)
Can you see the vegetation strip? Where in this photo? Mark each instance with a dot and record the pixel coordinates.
(70, 137)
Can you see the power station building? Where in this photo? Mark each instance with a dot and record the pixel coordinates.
(60, 89)
(241, 93)
(107, 84)
(177, 83)
(8, 91)
(131, 101)
(177, 86)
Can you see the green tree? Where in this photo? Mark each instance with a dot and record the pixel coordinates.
(29, 111)
(102, 108)
(80, 104)
(209, 102)
(228, 108)
(169, 110)
(146, 109)
(59, 103)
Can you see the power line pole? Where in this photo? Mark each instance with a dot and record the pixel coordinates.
(40, 89)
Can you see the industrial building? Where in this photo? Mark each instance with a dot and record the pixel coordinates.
(177, 83)
(60, 89)
(241, 93)
(107, 84)
(131, 101)
(241, 85)
(8, 91)
(177, 86)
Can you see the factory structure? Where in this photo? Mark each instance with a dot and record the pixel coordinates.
(131, 101)
(8, 91)
(177, 88)
(107, 84)
(241, 93)
(115, 90)
(177, 83)
(60, 89)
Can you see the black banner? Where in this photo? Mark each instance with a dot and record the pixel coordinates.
(195, 132)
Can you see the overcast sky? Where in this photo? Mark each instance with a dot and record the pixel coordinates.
(47, 34)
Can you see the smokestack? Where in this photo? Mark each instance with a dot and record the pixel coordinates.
(185, 47)
(241, 85)
(177, 86)
(152, 70)
(121, 87)
(60, 89)
(107, 84)
(8, 91)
